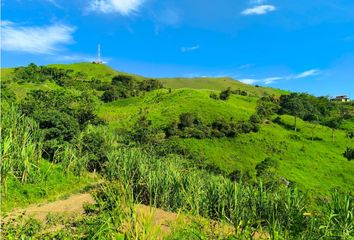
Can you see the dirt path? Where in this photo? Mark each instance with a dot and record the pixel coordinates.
(70, 206)
(73, 206)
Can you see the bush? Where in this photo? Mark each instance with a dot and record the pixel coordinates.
(150, 85)
(264, 166)
(225, 94)
(349, 153)
(255, 118)
(94, 145)
(7, 94)
(213, 95)
(113, 94)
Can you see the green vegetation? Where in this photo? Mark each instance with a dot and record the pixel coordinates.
(257, 159)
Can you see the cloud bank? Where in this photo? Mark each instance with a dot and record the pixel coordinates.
(123, 7)
(189, 49)
(259, 10)
(34, 39)
(270, 80)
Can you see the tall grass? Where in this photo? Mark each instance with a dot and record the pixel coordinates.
(21, 143)
(167, 184)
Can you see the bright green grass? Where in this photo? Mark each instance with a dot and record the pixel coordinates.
(53, 185)
(165, 107)
(6, 74)
(97, 71)
(218, 84)
(316, 166)
(22, 89)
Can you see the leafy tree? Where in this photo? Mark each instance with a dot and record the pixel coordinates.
(143, 131)
(150, 85)
(57, 128)
(333, 123)
(124, 80)
(94, 145)
(293, 105)
(266, 107)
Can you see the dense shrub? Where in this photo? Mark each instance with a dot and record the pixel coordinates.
(124, 86)
(349, 153)
(95, 147)
(150, 85)
(225, 94)
(213, 95)
(191, 126)
(144, 133)
(113, 94)
(7, 94)
(57, 128)
(263, 167)
(239, 92)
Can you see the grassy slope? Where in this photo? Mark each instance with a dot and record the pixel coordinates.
(317, 166)
(218, 84)
(165, 107)
(97, 71)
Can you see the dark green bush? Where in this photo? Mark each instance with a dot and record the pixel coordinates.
(7, 94)
(150, 85)
(349, 153)
(113, 94)
(213, 95)
(225, 94)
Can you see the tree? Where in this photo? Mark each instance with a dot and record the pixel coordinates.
(267, 106)
(314, 119)
(150, 85)
(57, 128)
(124, 80)
(293, 105)
(112, 94)
(333, 123)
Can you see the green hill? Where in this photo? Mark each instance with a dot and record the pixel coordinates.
(317, 166)
(219, 84)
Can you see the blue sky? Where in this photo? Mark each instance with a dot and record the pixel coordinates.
(300, 45)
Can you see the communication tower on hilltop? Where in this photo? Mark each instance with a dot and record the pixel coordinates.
(99, 54)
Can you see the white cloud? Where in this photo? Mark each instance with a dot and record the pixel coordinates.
(34, 39)
(79, 58)
(312, 72)
(244, 66)
(188, 49)
(123, 7)
(259, 10)
(249, 81)
(257, 2)
(54, 3)
(270, 80)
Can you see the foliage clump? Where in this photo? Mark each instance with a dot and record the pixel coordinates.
(125, 86)
(191, 126)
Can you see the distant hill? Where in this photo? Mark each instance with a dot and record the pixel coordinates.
(219, 84)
